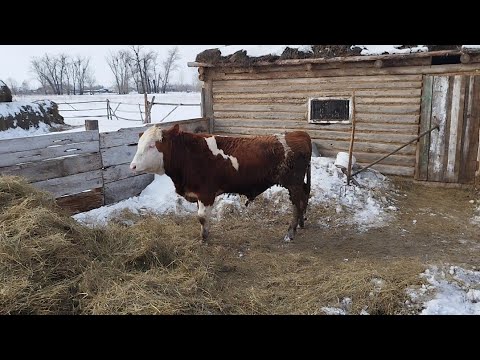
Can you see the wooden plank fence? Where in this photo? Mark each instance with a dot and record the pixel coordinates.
(83, 170)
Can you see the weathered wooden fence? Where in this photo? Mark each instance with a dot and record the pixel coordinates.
(83, 170)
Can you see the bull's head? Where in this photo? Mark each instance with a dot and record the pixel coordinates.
(150, 151)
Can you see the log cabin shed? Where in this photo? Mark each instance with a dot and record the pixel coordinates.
(396, 97)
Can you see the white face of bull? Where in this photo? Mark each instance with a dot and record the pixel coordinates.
(147, 157)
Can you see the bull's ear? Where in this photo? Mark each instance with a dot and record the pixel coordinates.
(175, 129)
(140, 135)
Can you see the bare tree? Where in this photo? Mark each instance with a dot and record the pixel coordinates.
(39, 69)
(71, 76)
(136, 65)
(13, 85)
(90, 81)
(51, 70)
(119, 63)
(169, 65)
(80, 69)
(142, 67)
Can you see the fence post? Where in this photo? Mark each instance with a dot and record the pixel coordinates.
(91, 124)
(147, 119)
(150, 109)
(109, 116)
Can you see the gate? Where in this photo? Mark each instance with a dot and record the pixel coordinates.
(449, 154)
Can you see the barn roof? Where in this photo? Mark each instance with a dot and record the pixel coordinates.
(263, 55)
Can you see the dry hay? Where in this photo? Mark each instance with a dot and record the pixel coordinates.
(50, 264)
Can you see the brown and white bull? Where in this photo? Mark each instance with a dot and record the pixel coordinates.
(203, 166)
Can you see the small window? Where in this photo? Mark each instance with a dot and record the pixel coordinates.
(329, 110)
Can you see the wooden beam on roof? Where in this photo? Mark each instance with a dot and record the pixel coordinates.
(341, 59)
(198, 64)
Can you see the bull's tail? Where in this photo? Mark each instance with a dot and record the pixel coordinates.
(307, 186)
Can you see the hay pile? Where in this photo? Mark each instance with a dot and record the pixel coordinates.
(50, 264)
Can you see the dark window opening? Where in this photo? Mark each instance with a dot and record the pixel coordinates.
(447, 59)
(334, 109)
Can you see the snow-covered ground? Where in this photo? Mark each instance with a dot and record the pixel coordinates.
(125, 106)
(455, 291)
(369, 209)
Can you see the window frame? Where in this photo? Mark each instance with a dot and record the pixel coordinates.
(327, 122)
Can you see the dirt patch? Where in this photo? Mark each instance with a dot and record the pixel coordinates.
(240, 58)
(443, 47)
(330, 51)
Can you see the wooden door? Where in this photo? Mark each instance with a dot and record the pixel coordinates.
(450, 153)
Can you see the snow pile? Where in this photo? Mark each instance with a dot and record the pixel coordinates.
(389, 49)
(261, 50)
(33, 131)
(17, 107)
(365, 204)
(344, 309)
(457, 292)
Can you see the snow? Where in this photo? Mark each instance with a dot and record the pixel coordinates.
(456, 291)
(16, 107)
(333, 311)
(19, 132)
(389, 49)
(368, 209)
(260, 50)
(127, 108)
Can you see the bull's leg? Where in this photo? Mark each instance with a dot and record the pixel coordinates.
(204, 213)
(297, 196)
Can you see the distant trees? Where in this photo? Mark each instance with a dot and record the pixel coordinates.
(62, 73)
(119, 63)
(169, 65)
(141, 69)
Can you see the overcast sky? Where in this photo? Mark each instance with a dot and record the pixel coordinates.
(15, 60)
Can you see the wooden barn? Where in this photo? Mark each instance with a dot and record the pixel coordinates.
(392, 98)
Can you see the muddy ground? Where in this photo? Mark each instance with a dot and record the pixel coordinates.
(431, 226)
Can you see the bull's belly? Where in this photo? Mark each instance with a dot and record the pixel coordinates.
(251, 191)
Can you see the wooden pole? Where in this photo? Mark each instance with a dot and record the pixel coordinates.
(150, 108)
(146, 119)
(352, 139)
(108, 110)
(91, 124)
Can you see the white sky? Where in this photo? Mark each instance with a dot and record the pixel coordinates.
(15, 59)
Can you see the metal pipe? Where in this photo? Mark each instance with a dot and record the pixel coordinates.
(393, 152)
